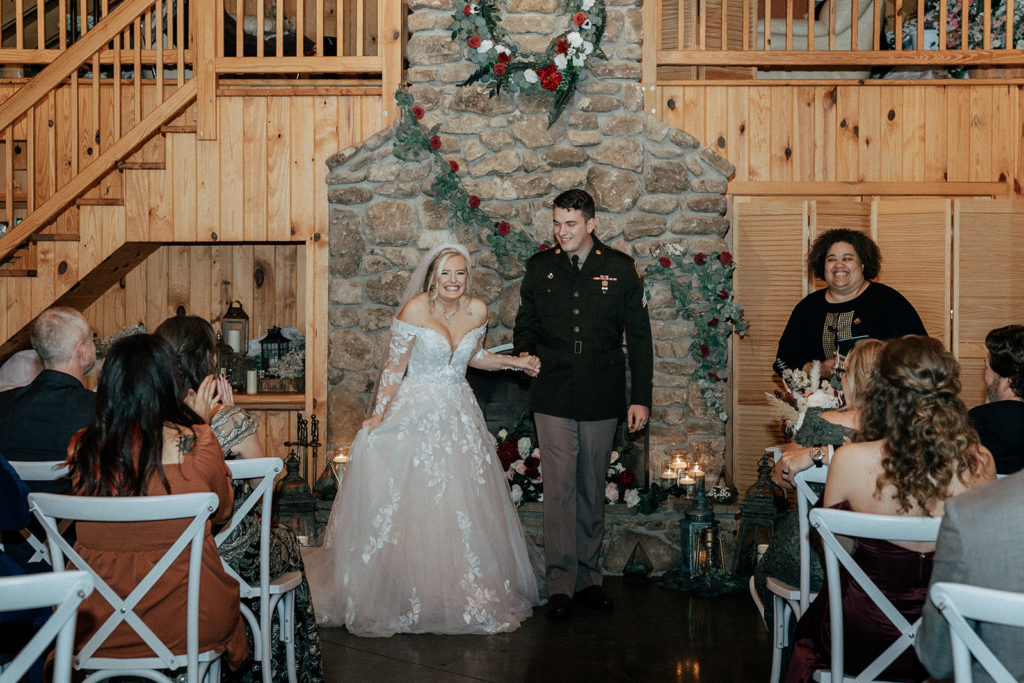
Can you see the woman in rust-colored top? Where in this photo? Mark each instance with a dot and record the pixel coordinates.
(145, 441)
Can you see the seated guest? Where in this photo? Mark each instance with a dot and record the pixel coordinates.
(145, 442)
(820, 433)
(195, 344)
(1000, 421)
(979, 544)
(915, 450)
(850, 306)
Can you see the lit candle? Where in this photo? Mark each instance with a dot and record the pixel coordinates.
(669, 474)
(250, 382)
(341, 455)
(235, 340)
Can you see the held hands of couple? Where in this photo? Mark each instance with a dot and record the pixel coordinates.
(528, 364)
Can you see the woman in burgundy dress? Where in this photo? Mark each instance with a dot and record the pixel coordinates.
(915, 449)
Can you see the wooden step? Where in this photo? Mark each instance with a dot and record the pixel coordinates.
(141, 165)
(21, 262)
(178, 129)
(99, 201)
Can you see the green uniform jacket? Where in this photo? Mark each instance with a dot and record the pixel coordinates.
(574, 322)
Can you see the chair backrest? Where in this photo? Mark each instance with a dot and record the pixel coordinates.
(29, 471)
(806, 498)
(195, 507)
(63, 590)
(958, 602)
(829, 523)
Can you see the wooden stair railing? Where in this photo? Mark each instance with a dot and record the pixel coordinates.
(112, 47)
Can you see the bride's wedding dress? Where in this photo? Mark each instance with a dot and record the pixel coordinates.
(423, 536)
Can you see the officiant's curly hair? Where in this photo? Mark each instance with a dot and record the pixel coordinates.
(120, 452)
(913, 405)
(195, 347)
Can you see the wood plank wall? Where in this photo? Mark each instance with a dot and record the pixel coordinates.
(917, 133)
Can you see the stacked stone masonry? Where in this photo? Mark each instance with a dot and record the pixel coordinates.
(654, 185)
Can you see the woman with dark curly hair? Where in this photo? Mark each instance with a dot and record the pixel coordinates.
(915, 449)
(850, 306)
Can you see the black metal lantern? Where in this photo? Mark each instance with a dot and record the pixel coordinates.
(295, 504)
(763, 505)
(226, 361)
(235, 324)
(700, 542)
(273, 347)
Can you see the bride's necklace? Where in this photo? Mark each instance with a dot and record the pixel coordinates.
(447, 316)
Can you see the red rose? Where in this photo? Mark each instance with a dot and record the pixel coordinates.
(504, 57)
(531, 462)
(499, 69)
(504, 228)
(508, 453)
(532, 473)
(705, 350)
(467, 10)
(544, 246)
(714, 376)
(417, 112)
(454, 166)
(580, 18)
(713, 322)
(665, 262)
(700, 259)
(562, 46)
(549, 77)
(435, 142)
(474, 42)
(723, 295)
(474, 201)
(725, 257)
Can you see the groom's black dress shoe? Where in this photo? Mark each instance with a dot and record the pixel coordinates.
(559, 606)
(594, 597)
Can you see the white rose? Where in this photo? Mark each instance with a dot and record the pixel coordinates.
(614, 456)
(586, 5)
(632, 498)
(517, 493)
(578, 60)
(575, 39)
(485, 45)
(530, 76)
(501, 49)
(524, 445)
(611, 493)
(560, 62)
(520, 467)
(536, 453)
(587, 47)
(502, 434)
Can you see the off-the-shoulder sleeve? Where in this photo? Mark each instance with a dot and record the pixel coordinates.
(403, 336)
(232, 424)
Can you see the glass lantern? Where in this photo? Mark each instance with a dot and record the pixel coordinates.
(235, 324)
(273, 348)
(226, 361)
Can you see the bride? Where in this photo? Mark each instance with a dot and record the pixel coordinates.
(423, 536)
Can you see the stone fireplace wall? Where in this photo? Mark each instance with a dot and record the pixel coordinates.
(653, 185)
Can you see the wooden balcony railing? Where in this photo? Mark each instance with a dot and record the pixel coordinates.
(844, 34)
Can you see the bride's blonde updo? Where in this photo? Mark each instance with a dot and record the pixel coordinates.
(913, 403)
(435, 268)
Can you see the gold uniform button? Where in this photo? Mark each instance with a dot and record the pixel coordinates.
(576, 294)
(576, 311)
(576, 329)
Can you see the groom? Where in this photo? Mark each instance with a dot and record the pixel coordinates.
(577, 300)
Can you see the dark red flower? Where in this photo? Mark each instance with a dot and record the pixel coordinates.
(549, 77)
(504, 57)
(504, 228)
(705, 350)
(561, 47)
(435, 142)
(417, 112)
(532, 473)
(580, 18)
(474, 42)
(454, 166)
(531, 461)
(467, 10)
(508, 453)
(723, 295)
(665, 262)
(714, 376)
(713, 322)
(544, 246)
(474, 201)
(700, 259)
(499, 68)
(725, 257)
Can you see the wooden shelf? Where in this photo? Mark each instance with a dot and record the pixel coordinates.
(293, 401)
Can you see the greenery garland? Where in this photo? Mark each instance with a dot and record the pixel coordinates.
(500, 63)
(701, 286)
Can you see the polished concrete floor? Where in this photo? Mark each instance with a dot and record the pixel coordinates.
(655, 634)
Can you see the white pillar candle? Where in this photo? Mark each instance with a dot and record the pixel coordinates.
(250, 382)
(235, 340)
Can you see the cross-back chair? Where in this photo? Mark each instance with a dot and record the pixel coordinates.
(30, 471)
(829, 523)
(789, 600)
(958, 602)
(62, 590)
(195, 507)
(276, 594)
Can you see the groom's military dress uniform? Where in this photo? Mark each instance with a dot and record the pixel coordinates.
(574, 321)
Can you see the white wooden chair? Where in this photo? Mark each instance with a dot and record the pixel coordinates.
(789, 600)
(276, 594)
(196, 507)
(958, 602)
(39, 471)
(829, 523)
(62, 590)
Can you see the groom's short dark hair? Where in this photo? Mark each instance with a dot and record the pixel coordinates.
(576, 200)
